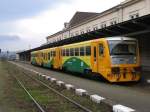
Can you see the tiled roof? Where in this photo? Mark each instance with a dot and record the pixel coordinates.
(80, 17)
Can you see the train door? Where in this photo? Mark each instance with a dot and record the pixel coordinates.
(58, 58)
(101, 58)
(94, 57)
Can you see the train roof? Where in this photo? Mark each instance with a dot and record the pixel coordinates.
(87, 42)
(120, 38)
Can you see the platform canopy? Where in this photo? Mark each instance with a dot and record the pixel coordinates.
(131, 28)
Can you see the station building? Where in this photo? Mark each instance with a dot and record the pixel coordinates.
(83, 22)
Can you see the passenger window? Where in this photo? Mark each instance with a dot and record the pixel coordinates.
(64, 52)
(88, 50)
(67, 52)
(54, 53)
(94, 52)
(76, 51)
(101, 49)
(81, 51)
(43, 56)
(72, 52)
(49, 55)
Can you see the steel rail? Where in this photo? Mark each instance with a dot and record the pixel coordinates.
(58, 93)
(28, 93)
(55, 91)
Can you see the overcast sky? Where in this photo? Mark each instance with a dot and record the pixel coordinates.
(25, 24)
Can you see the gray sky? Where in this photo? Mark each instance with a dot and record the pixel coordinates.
(26, 23)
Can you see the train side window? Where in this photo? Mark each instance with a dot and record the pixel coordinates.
(45, 56)
(101, 49)
(76, 51)
(54, 53)
(67, 52)
(51, 53)
(81, 51)
(64, 52)
(72, 52)
(88, 50)
(42, 55)
(94, 53)
(49, 56)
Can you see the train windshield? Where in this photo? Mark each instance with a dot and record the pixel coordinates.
(126, 47)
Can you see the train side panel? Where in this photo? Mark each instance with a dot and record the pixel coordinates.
(75, 58)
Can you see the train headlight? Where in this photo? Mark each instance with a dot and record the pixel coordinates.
(135, 59)
(115, 70)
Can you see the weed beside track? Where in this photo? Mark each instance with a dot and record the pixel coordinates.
(47, 98)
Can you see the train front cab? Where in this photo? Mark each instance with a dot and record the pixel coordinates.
(116, 59)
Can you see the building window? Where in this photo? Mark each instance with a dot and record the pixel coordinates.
(113, 21)
(134, 14)
(82, 31)
(95, 27)
(88, 29)
(77, 33)
(65, 36)
(103, 25)
(71, 34)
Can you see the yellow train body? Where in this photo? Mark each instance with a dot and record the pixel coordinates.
(115, 59)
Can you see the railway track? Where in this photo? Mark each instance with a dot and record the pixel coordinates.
(30, 96)
(104, 89)
(39, 106)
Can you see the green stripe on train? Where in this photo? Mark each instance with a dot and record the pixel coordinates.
(49, 63)
(75, 64)
(33, 61)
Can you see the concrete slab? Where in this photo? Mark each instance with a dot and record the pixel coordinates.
(60, 83)
(80, 92)
(96, 98)
(69, 86)
(148, 81)
(48, 77)
(121, 108)
(52, 79)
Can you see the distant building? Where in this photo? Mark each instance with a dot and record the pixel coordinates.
(83, 22)
(8, 55)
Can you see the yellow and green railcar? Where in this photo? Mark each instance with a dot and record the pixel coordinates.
(50, 58)
(46, 58)
(116, 59)
(36, 58)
